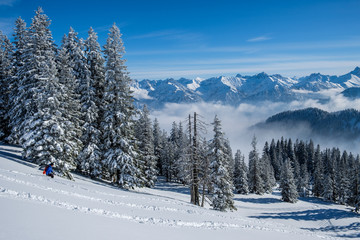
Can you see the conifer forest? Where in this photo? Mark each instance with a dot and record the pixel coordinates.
(72, 105)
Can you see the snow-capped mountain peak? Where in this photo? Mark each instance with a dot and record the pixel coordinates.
(237, 89)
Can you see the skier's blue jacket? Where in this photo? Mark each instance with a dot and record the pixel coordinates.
(49, 170)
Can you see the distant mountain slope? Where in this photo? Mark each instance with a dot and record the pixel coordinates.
(343, 124)
(353, 92)
(238, 89)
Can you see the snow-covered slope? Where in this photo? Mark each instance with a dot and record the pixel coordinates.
(234, 90)
(33, 206)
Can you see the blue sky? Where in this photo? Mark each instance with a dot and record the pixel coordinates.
(191, 39)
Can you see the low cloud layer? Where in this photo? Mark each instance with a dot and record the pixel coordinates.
(236, 121)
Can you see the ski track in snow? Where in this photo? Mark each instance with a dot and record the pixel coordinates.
(211, 225)
(154, 208)
(105, 201)
(248, 224)
(40, 177)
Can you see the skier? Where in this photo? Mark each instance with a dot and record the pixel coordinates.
(49, 170)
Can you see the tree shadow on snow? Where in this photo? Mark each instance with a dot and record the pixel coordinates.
(310, 215)
(316, 200)
(161, 184)
(340, 230)
(9, 150)
(258, 200)
(14, 157)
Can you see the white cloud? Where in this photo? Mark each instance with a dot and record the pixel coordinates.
(140, 93)
(236, 121)
(259, 39)
(171, 34)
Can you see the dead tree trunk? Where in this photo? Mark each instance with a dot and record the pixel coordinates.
(195, 161)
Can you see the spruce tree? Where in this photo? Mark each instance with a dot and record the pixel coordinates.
(146, 147)
(256, 184)
(287, 184)
(267, 171)
(329, 192)
(318, 173)
(6, 72)
(356, 192)
(329, 181)
(222, 187)
(167, 156)
(174, 138)
(205, 171)
(304, 186)
(71, 102)
(240, 174)
(48, 132)
(120, 150)
(343, 174)
(354, 171)
(91, 88)
(183, 163)
(274, 159)
(16, 109)
(310, 159)
(158, 145)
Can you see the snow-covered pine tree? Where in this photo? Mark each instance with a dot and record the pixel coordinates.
(256, 184)
(356, 183)
(95, 62)
(80, 86)
(267, 171)
(48, 132)
(183, 163)
(274, 159)
(328, 188)
(329, 180)
(205, 171)
(229, 153)
(6, 71)
(146, 147)
(17, 110)
(222, 187)
(287, 184)
(310, 159)
(158, 145)
(318, 177)
(342, 179)
(167, 156)
(70, 104)
(240, 174)
(174, 138)
(304, 187)
(120, 150)
(91, 89)
(354, 178)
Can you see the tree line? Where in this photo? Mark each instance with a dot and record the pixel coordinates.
(72, 105)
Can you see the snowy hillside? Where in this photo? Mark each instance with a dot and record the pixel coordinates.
(33, 206)
(238, 89)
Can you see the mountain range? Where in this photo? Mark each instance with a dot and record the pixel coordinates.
(239, 89)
